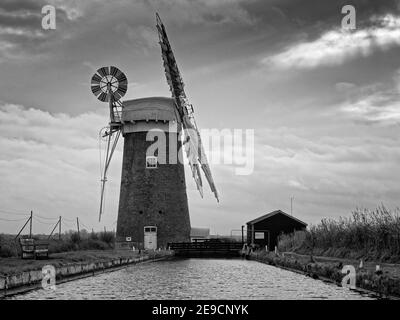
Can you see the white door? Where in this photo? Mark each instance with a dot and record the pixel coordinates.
(150, 238)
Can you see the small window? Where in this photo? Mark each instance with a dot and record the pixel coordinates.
(151, 162)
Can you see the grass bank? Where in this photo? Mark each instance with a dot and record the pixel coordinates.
(371, 235)
(15, 265)
(385, 284)
(67, 242)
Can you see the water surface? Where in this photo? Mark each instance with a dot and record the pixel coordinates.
(197, 279)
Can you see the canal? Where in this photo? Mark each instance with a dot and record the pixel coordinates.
(197, 279)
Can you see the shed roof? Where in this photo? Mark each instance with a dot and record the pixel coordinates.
(269, 215)
(200, 232)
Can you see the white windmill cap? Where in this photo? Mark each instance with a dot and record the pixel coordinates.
(150, 109)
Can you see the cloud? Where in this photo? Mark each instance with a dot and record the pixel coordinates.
(381, 107)
(337, 46)
(144, 38)
(50, 161)
(344, 86)
(376, 103)
(103, 27)
(73, 9)
(328, 175)
(21, 33)
(297, 185)
(50, 164)
(319, 167)
(214, 12)
(20, 5)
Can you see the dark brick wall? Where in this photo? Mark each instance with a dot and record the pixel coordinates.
(151, 196)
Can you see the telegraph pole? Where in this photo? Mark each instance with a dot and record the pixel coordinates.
(77, 224)
(59, 229)
(30, 225)
(22, 229)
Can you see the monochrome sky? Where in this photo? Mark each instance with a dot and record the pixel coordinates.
(323, 101)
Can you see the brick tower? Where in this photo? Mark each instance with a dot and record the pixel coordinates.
(153, 188)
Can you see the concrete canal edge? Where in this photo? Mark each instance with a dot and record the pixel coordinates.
(377, 286)
(32, 280)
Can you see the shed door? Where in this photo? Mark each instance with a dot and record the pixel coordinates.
(150, 238)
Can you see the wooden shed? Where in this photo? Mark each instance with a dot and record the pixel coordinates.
(265, 230)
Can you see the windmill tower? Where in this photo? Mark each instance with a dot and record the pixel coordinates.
(153, 206)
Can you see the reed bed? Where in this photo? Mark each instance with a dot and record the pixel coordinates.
(372, 234)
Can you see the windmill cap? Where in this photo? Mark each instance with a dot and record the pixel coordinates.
(150, 109)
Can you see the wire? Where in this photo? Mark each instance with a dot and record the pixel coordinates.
(12, 210)
(46, 218)
(35, 219)
(47, 224)
(83, 225)
(68, 225)
(86, 227)
(19, 213)
(9, 220)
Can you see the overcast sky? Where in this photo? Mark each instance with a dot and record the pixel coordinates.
(323, 101)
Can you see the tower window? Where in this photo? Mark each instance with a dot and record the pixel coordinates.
(151, 162)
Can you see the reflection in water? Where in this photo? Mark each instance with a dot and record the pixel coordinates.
(197, 279)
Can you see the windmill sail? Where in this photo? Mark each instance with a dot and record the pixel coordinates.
(193, 145)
